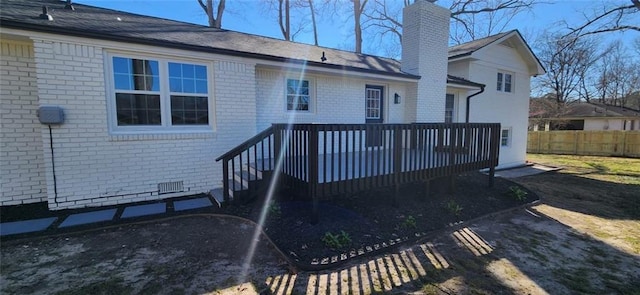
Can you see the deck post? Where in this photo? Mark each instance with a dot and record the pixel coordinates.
(225, 180)
(452, 183)
(397, 162)
(494, 150)
(277, 149)
(313, 171)
(427, 188)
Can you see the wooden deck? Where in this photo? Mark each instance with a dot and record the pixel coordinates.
(323, 160)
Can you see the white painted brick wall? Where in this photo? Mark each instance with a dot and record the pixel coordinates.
(22, 177)
(511, 110)
(335, 99)
(104, 169)
(424, 53)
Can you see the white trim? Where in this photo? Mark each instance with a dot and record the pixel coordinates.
(503, 83)
(165, 127)
(509, 136)
(312, 93)
(280, 66)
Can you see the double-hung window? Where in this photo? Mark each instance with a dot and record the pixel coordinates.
(505, 137)
(504, 82)
(298, 95)
(157, 95)
(448, 108)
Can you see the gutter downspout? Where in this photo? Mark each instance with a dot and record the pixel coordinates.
(469, 101)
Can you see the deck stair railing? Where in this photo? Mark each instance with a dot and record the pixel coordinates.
(323, 160)
(244, 166)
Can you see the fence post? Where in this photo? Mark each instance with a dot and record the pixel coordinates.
(313, 171)
(624, 143)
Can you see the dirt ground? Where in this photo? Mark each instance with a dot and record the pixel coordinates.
(583, 238)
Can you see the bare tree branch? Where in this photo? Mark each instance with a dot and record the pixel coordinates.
(611, 20)
(214, 17)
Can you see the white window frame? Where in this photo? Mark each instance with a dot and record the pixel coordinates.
(501, 81)
(505, 142)
(165, 96)
(453, 109)
(312, 94)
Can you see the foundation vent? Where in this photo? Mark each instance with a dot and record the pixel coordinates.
(170, 187)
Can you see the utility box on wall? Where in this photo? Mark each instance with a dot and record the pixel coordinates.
(51, 115)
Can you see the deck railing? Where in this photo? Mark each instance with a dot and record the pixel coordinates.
(322, 160)
(330, 159)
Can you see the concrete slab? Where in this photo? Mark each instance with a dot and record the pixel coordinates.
(88, 217)
(143, 210)
(25, 226)
(525, 171)
(191, 204)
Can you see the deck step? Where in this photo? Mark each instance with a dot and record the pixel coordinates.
(218, 195)
(246, 176)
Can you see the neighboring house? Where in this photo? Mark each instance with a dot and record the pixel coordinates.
(149, 103)
(585, 116)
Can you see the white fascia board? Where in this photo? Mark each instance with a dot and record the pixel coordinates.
(461, 87)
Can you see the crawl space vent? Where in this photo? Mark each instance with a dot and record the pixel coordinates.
(170, 187)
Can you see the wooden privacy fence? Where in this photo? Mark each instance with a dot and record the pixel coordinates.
(585, 143)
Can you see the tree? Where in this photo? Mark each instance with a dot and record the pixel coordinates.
(214, 16)
(477, 19)
(470, 19)
(358, 11)
(284, 22)
(567, 61)
(610, 18)
(619, 76)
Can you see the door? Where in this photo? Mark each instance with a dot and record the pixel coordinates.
(374, 113)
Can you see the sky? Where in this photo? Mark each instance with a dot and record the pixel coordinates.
(252, 16)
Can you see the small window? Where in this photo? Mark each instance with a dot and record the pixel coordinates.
(505, 137)
(504, 82)
(298, 95)
(448, 108)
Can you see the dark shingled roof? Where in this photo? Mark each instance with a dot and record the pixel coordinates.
(586, 109)
(468, 48)
(107, 24)
(462, 81)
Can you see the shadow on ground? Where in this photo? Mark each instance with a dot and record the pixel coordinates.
(558, 246)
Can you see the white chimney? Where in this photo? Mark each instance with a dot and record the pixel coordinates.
(425, 40)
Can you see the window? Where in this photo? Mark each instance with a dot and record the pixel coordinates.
(156, 95)
(504, 82)
(448, 108)
(505, 137)
(188, 84)
(298, 95)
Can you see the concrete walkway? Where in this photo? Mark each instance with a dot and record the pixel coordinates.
(103, 216)
(532, 169)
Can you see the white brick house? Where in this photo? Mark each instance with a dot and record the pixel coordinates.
(150, 102)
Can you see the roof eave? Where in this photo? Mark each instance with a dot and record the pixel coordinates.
(109, 37)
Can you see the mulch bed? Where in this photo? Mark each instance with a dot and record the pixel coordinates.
(353, 225)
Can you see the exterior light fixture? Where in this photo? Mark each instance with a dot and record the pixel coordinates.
(396, 98)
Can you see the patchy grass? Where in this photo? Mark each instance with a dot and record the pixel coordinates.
(611, 169)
